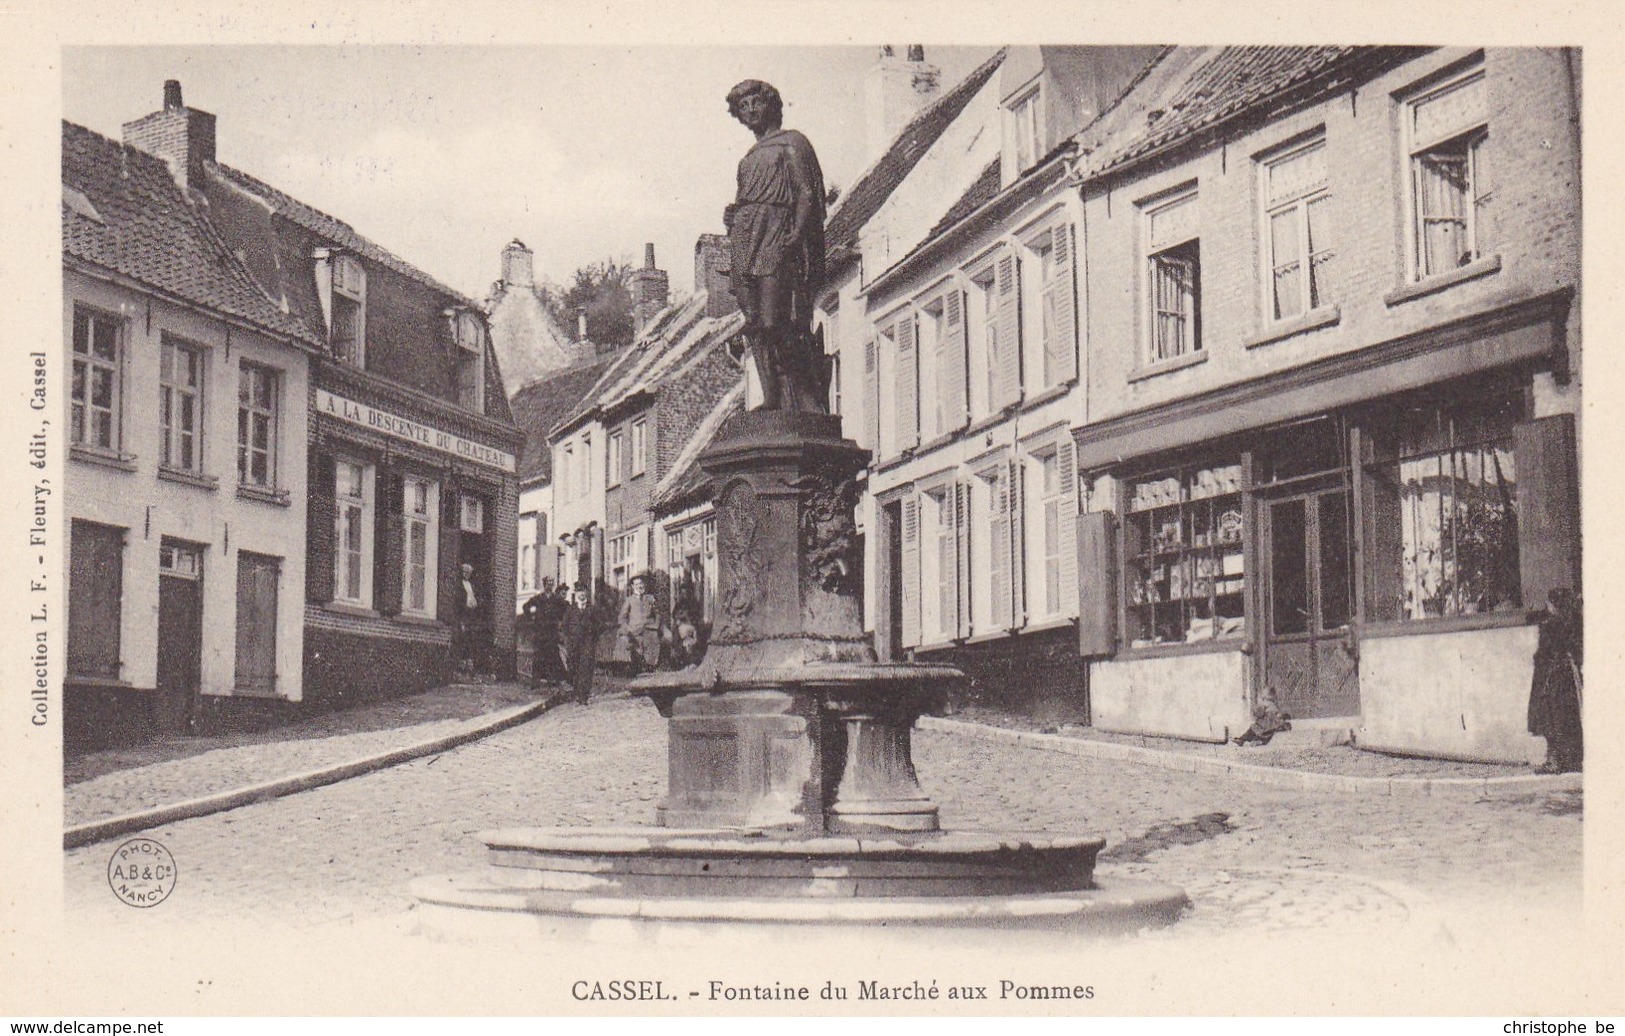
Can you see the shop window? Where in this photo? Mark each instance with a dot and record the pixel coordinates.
(97, 393)
(421, 543)
(353, 532)
(258, 397)
(640, 446)
(1442, 482)
(1183, 557)
(1174, 270)
(1297, 230)
(1447, 138)
(257, 578)
(95, 600)
(348, 321)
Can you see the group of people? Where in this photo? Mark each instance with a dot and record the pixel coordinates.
(565, 625)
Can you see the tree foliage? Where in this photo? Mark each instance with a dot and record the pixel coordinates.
(604, 289)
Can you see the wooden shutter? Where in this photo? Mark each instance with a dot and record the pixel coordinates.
(1018, 539)
(1548, 502)
(320, 522)
(1097, 584)
(1067, 528)
(95, 599)
(955, 382)
(1007, 323)
(1063, 345)
(257, 579)
(449, 593)
(908, 386)
(999, 563)
(871, 398)
(389, 543)
(962, 569)
(911, 571)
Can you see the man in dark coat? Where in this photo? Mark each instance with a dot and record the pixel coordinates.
(1554, 697)
(582, 625)
(544, 614)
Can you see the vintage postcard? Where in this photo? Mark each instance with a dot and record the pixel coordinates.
(589, 510)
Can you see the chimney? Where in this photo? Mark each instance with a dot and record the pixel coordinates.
(181, 136)
(518, 266)
(713, 266)
(651, 290)
(581, 323)
(894, 91)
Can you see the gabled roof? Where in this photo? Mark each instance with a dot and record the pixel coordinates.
(336, 231)
(123, 211)
(859, 204)
(677, 334)
(686, 480)
(984, 190)
(539, 404)
(1193, 89)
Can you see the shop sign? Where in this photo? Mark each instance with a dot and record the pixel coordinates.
(351, 412)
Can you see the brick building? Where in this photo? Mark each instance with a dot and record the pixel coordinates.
(185, 473)
(628, 432)
(1332, 373)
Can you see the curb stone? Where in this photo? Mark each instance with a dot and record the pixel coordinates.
(94, 831)
(1181, 762)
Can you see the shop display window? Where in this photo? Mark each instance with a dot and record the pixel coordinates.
(1184, 572)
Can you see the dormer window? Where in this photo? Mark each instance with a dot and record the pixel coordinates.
(1026, 144)
(469, 333)
(348, 323)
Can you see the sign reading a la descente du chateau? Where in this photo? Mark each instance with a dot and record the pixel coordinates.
(412, 431)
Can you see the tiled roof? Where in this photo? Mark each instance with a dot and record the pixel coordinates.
(984, 190)
(677, 334)
(858, 204)
(538, 405)
(1199, 87)
(123, 211)
(686, 480)
(336, 231)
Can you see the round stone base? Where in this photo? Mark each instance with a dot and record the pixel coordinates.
(476, 908)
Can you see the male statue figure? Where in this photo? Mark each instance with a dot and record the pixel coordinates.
(776, 237)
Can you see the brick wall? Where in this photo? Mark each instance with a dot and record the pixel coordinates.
(686, 400)
(343, 669)
(1034, 674)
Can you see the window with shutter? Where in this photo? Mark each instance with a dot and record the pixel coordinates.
(1007, 321)
(955, 403)
(908, 386)
(871, 398)
(1017, 484)
(1060, 309)
(962, 559)
(1067, 529)
(999, 575)
(95, 599)
(258, 576)
(911, 571)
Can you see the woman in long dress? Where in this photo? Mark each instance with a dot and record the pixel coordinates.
(1554, 697)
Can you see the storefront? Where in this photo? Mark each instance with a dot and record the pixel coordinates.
(404, 491)
(1373, 564)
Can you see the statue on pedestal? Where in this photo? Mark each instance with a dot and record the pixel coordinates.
(776, 236)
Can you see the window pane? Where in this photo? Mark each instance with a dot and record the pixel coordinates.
(104, 338)
(1289, 573)
(1287, 251)
(1320, 251)
(101, 388)
(1335, 600)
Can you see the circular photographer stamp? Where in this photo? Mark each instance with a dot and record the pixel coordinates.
(141, 872)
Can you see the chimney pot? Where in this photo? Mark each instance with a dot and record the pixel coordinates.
(916, 52)
(183, 137)
(895, 90)
(581, 323)
(172, 94)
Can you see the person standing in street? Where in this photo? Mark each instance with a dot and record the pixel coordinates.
(641, 626)
(544, 614)
(469, 609)
(1555, 692)
(581, 629)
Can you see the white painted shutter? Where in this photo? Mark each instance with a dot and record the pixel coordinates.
(999, 563)
(1063, 344)
(1007, 323)
(911, 571)
(908, 386)
(962, 567)
(956, 407)
(1066, 461)
(871, 398)
(1018, 539)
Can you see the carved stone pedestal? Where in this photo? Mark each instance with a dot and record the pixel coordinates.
(790, 723)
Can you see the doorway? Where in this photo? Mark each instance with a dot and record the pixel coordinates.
(180, 634)
(1308, 604)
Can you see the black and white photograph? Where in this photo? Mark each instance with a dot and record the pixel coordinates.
(658, 520)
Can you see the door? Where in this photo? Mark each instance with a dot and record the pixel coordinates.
(180, 634)
(257, 579)
(1308, 590)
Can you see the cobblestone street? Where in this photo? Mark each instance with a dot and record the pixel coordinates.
(348, 851)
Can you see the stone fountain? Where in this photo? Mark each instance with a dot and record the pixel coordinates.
(792, 797)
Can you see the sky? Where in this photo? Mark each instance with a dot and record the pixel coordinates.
(444, 154)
